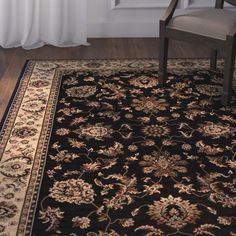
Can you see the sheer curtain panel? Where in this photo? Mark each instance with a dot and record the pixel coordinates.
(33, 23)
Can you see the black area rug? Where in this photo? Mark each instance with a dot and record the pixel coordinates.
(126, 156)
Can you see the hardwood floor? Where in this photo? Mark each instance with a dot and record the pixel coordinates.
(12, 60)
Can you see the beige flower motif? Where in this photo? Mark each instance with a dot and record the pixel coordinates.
(192, 114)
(149, 143)
(113, 91)
(224, 220)
(205, 102)
(174, 212)
(93, 104)
(135, 91)
(64, 156)
(175, 115)
(127, 222)
(156, 130)
(81, 92)
(161, 119)
(91, 167)
(232, 164)
(132, 158)
(144, 119)
(209, 150)
(74, 191)
(62, 131)
(153, 189)
(163, 164)
(185, 188)
(98, 131)
(228, 118)
(186, 147)
(210, 90)
(129, 116)
(132, 148)
(149, 104)
(70, 111)
(56, 145)
(112, 151)
(75, 143)
(82, 222)
(71, 81)
(218, 161)
(179, 86)
(215, 130)
(168, 142)
(118, 201)
(90, 78)
(144, 81)
(78, 121)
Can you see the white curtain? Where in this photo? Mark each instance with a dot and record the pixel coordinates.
(33, 23)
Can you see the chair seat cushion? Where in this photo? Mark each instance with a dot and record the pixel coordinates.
(216, 23)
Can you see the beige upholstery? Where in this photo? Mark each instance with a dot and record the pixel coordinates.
(215, 23)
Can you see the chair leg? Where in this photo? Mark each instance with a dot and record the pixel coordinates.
(228, 74)
(213, 59)
(163, 56)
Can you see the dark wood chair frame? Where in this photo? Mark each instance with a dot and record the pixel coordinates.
(228, 47)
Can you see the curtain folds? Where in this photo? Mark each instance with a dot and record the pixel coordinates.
(33, 23)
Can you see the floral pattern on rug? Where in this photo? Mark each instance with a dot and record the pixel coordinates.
(130, 157)
(105, 150)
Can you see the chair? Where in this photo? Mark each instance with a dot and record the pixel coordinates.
(215, 28)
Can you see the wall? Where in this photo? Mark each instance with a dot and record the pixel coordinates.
(132, 18)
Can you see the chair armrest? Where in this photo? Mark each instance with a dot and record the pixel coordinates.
(169, 12)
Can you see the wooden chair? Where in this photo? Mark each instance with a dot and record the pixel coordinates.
(215, 28)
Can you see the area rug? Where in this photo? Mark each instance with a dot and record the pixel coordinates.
(99, 148)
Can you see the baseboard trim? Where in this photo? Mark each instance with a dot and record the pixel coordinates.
(122, 29)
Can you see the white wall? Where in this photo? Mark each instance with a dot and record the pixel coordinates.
(103, 21)
(132, 18)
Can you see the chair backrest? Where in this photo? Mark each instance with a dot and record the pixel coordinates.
(220, 3)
